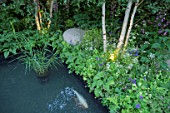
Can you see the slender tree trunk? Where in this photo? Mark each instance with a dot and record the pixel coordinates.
(115, 54)
(131, 24)
(126, 18)
(104, 28)
(36, 16)
(39, 12)
(51, 12)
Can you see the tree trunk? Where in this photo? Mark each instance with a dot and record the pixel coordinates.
(131, 24)
(126, 18)
(104, 28)
(36, 15)
(51, 13)
(115, 54)
(39, 13)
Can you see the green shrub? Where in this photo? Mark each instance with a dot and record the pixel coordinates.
(38, 54)
(11, 43)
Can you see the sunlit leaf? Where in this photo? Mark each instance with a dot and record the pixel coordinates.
(6, 54)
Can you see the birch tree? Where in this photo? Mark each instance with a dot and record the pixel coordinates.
(131, 24)
(123, 31)
(125, 22)
(104, 28)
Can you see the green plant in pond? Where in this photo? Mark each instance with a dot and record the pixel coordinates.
(40, 61)
(37, 54)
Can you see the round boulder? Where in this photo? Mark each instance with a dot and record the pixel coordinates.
(168, 62)
(73, 36)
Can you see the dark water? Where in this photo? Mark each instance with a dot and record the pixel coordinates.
(23, 93)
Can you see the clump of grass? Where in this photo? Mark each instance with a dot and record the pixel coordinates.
(39, 60)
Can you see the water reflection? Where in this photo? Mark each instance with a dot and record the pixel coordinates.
(65, 103)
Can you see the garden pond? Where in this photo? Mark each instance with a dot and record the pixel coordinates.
(22, 92)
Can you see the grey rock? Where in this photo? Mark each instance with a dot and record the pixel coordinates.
(168, 62)
(73, 36)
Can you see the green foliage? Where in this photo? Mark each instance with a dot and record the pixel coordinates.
(156, 6)
(34, 48)
(39, 60)
(37, 54)
(11, 43)
(154, 39)
(92, 40)
(124, 85)
(136, 82)
(88, 20)
(87, 16)
(19, 13)
(69, 23)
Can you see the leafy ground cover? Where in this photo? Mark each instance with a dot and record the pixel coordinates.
(126, 85)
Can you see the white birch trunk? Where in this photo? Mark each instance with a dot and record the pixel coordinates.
(124, 27)
(104, 28)
(131, 24)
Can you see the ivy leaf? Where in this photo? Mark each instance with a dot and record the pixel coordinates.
(144, 59)
(13, 51)
(107, 87)
(70, 72)
(156, 45)
(97, 92)
(113, 100)
(6, 54)
(118, 91)
(99, 75)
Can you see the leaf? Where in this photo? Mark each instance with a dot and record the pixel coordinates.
(111, 82)
(144, 59)
(70, 72)
(113, 99)
(99, 75)
(6, 54)
(118, 91)
(107, 87)
(156, 45)
(97, 92)
(13, 51)
(143, 47)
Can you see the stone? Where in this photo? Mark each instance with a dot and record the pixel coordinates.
(73, 36)
(168, 62)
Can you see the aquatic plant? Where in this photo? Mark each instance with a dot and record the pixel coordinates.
(37, 55)
(40, 61)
